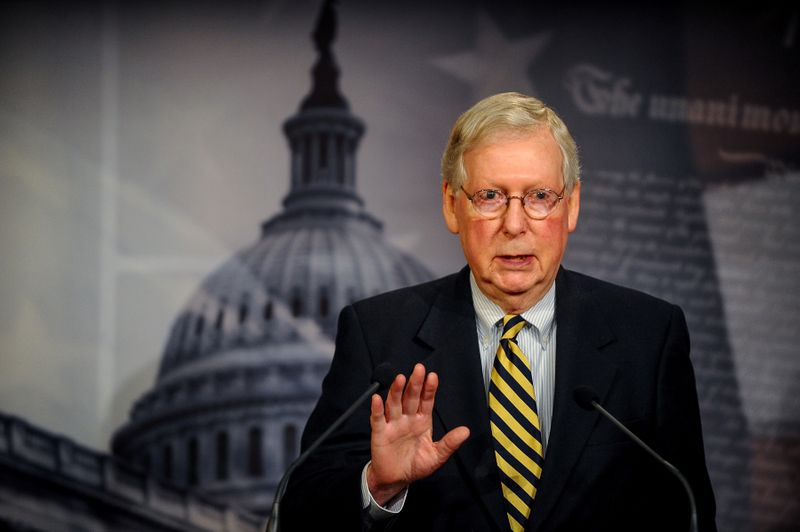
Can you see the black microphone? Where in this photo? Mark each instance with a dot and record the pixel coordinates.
(382, 377)
(588, 400)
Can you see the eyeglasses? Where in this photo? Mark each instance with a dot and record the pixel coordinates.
(537, 203)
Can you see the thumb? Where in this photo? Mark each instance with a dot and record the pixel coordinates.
(451, 441)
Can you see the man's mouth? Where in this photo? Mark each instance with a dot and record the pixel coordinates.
(515, 259)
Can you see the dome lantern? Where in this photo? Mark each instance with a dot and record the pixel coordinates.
(323, 138)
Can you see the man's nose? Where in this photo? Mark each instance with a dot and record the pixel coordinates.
(515, 220)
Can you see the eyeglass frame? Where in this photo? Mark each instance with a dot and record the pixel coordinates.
(559, 196)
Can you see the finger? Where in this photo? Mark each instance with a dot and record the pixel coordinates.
(394, 406)
(451, 441)
(377, 421)
(429, 394)
(411, 395)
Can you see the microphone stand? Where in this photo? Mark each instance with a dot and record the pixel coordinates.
(670, 467)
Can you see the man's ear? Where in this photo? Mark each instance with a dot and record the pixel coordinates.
(449, 207)
(573, 207)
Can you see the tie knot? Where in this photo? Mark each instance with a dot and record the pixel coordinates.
(512, 325)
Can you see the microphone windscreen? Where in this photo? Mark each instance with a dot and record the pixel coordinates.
(584, 396)
(384, 374)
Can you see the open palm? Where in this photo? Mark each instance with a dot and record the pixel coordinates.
(402, 445)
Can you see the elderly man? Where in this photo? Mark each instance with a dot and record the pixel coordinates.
(484, 433)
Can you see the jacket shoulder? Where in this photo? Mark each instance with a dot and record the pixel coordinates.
(618, 297)
(404, 299)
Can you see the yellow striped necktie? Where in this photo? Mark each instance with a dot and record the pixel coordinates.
(515, 425)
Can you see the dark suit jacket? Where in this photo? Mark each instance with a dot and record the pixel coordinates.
(632, 349)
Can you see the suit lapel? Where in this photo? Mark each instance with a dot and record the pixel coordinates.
(450, 330)
(582, 330)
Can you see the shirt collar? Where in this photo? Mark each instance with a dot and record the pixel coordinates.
(489, 314)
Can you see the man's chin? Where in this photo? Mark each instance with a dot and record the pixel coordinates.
(512, 287)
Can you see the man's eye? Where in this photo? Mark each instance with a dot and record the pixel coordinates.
(490, 194)
(540, 195)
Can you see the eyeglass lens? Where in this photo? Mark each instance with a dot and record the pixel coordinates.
(537, 203)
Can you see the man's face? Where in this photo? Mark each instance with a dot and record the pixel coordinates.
(514, 258)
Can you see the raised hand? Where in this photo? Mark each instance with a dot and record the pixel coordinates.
(402, 445)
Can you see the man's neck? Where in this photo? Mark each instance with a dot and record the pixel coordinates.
(479, 297)
(514, 304)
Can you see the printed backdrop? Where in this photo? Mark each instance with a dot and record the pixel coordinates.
(141, 146)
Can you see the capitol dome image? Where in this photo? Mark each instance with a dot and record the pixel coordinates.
(244, 361)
